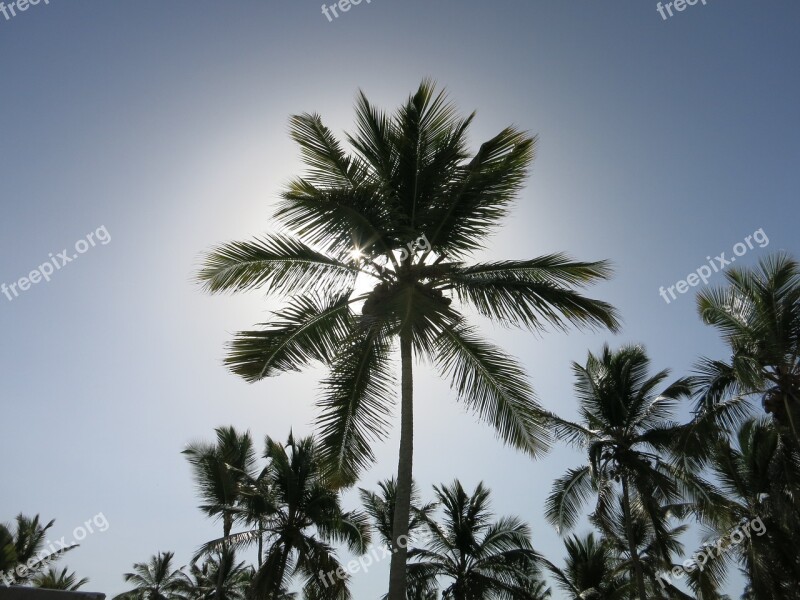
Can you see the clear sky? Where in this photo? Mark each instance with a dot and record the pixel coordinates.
(164, 124)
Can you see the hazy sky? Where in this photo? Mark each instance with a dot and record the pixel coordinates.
(164, 125)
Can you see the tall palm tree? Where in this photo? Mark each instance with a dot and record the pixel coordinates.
(483, 559)
(220, 470)
(758, 315)
(204, 580)
(156, 580)
(52, 579)
(753, 512)
(306, 518)
(23, 554)
(625, 429)
(401, 212)
(591, 570)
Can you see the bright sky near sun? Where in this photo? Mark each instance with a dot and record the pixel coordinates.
(662, 142)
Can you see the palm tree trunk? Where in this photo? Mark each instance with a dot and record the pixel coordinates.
(260, 543)
(637, 565)
(227, 525)
(402, 508)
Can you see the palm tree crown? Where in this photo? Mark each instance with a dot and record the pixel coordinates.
(758, 315)
(482, 558)
(155, 580)
(52, 579)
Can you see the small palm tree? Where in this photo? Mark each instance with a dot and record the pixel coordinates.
(380, 508)
(591, 572)
(656, 540)
(758, 315)
(305, 519)
(625, 429)
(401, 213)
(22, 548)
(156, 580)
(53, 579)
(219, 472)
(483, 559)
(219, 577)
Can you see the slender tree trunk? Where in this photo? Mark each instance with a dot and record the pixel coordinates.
(260, 543)
(402, 508)
(227, 525)
(634, 552)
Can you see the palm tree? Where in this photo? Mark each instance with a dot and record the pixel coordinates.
(754, 512)
(356, 216)
(380, 508)
(220, 470)
(625, 429)
(53, 579)
(591, 571)
(485, 559)
(304, 521)
(204, 580)
(656, 541)
(156, 580)
(758, 315)
(22, 548)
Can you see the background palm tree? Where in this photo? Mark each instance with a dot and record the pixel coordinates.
(305, 519)
(380, 508)
(625, 429)
(52, 579)
(156, 580)
(591, 570)
(23, 545)
(758, 489)
(482, 558)
(204, 580)
(220, 470)
(410, 177)
(758, 315)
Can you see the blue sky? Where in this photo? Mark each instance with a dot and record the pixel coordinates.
(661, 143)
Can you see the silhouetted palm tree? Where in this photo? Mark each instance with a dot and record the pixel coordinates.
(219, 471)
(156, 580)
(758, 315)
(591, 570)
(410, 177)
(380, 508)
(483, 559)
(22, 548)
(625, 430)
(300, 527)
(52, 579)
(204, 580)
(754, 513)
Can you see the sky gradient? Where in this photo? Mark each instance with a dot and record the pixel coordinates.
(660, 143)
